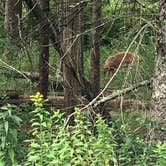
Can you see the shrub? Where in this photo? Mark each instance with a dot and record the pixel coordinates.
(9, 124)
(55, 143)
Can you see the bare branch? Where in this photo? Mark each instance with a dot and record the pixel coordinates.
(122, 92)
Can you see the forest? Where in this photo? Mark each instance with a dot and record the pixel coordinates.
(82, 82)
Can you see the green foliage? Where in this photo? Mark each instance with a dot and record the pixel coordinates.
(53, 143)
(56, 143)
(3, 95)
(160, 154)
(9, 124)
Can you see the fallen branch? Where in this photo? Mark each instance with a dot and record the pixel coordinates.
(52, 101)
(95, 104)
(57, 102)
(122, 92)
(33, 76)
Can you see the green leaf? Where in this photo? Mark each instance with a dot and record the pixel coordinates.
(44, 124)
(3, 139)
(13, 133)
(11, 155)
(2, 163)
(34, 158)
(5, 107)
(16, 119)
(35, 124)
(41, 117)
(35, 145)
(6, 125)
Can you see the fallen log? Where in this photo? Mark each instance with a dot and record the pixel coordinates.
(118, 105)
(34, 77)
(52, 101)
(112, 105)
(122, 92)
(111, 102)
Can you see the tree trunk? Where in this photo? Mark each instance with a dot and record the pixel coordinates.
(60, 18)
(72, 63)
(13, 10)
(44, 52)
(95, 55)
(159, 83)
(72, 71)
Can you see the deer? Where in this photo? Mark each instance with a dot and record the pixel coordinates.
(124, 58)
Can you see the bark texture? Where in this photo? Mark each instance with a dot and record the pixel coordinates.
(44, 52)
(72, 71)
(95, 55)
(13, 10)
(159, 83)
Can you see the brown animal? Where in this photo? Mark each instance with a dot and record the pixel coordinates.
(113, 62)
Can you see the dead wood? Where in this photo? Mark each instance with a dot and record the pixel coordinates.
(111, 102)
(33, 76)
(54, 34)
(112, 105)
(117, 104)
(52, 101)
(122, 92)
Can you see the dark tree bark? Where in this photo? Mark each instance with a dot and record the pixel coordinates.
(13, 10)
(44, 52)
(95, 55)
(60, 18)
(72, 71)
(159, 83)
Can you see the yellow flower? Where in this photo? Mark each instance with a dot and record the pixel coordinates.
(38, 99)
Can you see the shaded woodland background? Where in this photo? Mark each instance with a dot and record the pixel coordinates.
(59, 47)
(119, 23)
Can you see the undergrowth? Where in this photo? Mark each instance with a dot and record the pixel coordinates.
(54, 142)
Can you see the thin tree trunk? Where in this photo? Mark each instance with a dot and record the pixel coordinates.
(95, 55)
(13, 10)
(159, 83)
(44, 52)
(72, 71)
(60, 18)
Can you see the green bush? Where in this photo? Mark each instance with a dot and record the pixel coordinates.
(55, 142)
(160, 154)
(9, 124)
